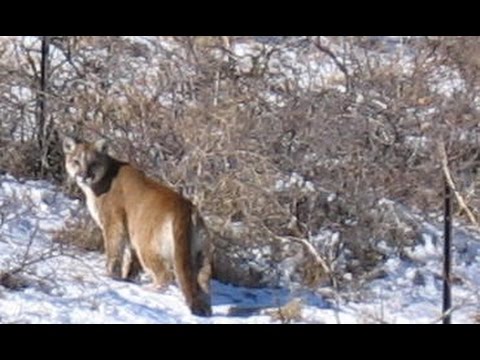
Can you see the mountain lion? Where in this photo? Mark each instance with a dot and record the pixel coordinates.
(143, 219)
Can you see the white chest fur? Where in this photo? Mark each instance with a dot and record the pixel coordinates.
(92, 204)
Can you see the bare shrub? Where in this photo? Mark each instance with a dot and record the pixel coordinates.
(18, 272)
(80, 232)
(19, 159)
(277, 140)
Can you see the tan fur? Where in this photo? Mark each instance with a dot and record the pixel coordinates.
(143, 218)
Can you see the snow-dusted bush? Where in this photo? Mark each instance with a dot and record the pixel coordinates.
(278, 140)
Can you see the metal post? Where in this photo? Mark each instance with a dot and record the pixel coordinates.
(447, 296)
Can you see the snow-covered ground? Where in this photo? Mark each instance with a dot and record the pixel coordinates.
(62, 284)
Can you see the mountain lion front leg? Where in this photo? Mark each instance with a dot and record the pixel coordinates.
(115, 239)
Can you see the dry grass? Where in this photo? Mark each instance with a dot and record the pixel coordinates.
(288, 313)
(81, 232)
(476, 318)
(13, 282)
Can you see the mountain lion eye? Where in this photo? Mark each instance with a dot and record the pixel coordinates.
(76, 162)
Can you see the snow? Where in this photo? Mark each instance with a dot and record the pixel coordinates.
(63, 284)
(293, 180)
(66, 285)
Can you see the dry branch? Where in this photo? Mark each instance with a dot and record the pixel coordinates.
(449, 178)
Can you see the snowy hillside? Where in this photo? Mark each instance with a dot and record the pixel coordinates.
(46, 282)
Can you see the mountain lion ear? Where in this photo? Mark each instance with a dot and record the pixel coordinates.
(68, 144)
(101, 146)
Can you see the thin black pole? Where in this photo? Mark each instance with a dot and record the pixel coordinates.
(42, 102)
(43, 88)
(447, 295)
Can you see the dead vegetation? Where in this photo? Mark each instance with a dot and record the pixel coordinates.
(18, 272)
(288, 313)
(81, 232)
(273, 149)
